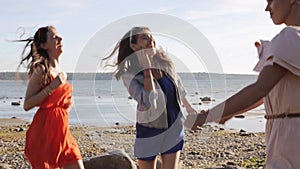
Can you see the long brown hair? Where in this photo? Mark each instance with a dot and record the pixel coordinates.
(125, 63)
(37, 56)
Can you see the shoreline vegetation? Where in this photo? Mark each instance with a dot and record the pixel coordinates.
(211, 147)
(109, 76)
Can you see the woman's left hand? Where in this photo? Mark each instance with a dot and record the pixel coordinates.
(193, 121)
(70, 105)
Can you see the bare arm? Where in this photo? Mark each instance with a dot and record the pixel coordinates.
(188, 106)
(224, 119)
(250, 95)
(148, 80)
(34, 95)
(244, 100)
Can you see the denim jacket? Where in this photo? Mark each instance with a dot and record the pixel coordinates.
(151, 105)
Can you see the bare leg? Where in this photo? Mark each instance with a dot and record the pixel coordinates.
(147, 164)
(74, 165)
(170, 161)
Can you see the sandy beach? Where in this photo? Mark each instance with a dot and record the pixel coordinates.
(210, 147)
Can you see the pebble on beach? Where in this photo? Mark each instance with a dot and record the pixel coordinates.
(207, 148)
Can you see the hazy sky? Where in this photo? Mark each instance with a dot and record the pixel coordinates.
(230, 26)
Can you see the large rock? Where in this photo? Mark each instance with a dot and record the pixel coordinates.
(114, 160)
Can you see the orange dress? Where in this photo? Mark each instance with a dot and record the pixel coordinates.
(49, 143)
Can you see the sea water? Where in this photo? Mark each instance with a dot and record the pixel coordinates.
(107, 102)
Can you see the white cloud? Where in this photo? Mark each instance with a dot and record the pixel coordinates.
(230, 25)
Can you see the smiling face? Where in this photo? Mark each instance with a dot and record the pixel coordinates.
(280, 10)
(144, 41)
(53, 45)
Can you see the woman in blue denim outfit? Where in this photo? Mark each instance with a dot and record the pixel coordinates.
(150, 78)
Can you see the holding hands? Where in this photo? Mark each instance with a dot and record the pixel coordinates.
(193, 121)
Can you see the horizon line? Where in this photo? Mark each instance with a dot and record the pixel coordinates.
(177, 72)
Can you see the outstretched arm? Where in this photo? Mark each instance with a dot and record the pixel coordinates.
(224, 119)
(245, 98)
(188, 106)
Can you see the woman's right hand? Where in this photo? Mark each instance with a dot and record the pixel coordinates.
(60, 79)
(145, 57)
(193, 121)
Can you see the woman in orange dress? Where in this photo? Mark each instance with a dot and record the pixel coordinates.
(49, 143)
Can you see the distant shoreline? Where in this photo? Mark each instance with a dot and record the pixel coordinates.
(109, 76)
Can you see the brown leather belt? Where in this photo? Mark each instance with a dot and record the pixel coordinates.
(283, 115)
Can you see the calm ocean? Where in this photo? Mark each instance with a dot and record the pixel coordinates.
(106, 102)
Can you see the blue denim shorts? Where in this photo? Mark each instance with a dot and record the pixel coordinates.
(178, 147)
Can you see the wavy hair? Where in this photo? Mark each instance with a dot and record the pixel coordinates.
(37, 56)
(125, 63)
